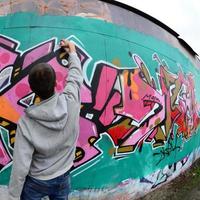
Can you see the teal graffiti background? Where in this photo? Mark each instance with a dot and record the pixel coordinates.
(108, 42)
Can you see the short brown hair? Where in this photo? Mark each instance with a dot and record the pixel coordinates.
(42, 80)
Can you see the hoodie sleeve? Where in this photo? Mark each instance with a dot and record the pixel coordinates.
(74, 79)
(22, 158)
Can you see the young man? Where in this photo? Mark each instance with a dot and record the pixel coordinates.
(46, 136)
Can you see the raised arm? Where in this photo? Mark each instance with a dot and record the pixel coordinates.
(75, 78)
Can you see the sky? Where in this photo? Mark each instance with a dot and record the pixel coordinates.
(183, 16)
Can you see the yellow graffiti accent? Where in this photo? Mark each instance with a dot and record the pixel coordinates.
(12, 140)
(4, 123)
(116, 62)
(16, 70)
(157, 121)
(169, 80)
(12, 132)
(159, 138)
(146, 74)
(92, 140)
(125, 149)
(125, 123)
(16, 74)
(78, 153)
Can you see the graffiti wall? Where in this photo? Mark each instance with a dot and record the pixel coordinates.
(139, 103)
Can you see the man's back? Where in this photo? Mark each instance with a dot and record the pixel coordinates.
(52, 128)
(46, 136)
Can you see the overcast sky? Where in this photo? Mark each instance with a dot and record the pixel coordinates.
(183, 16)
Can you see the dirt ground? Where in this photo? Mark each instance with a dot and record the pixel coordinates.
(184, 187)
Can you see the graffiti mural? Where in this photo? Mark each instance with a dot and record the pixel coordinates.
(140, 111)
(126, 104)
(127, 114)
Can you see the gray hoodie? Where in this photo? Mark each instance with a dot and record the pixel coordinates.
(46, 136)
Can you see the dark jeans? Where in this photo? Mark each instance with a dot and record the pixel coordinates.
(57, 188)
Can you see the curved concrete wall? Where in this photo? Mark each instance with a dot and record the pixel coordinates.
(140, 101)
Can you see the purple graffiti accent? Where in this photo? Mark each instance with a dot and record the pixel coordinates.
(107, 78)
(161, 178)
(108, 114)
(87, 130)
(147, 120)
(152, 134)
(83, 56)
(145, 131)
(145, 180)
(7, 52)
(139, 98)
(27, 100)
(4, 158)
(37, 53)
(61, 74)
(20, 90)
(86, 96)
(8, 42)
(6, 58)
(145, 105)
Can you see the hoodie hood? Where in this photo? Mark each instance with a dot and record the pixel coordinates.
(51, 113)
